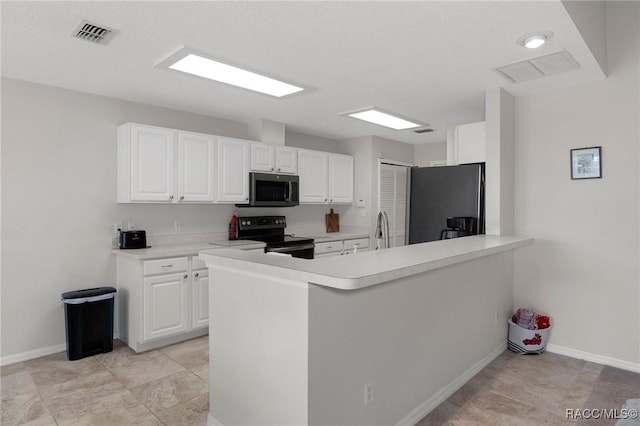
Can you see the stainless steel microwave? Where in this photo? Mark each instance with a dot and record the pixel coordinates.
(273, 190)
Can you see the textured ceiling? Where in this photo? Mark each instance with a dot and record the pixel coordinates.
(429, 61)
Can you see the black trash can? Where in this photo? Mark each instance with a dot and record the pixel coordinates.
(89, 321)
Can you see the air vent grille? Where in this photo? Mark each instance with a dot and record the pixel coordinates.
(541, 66)
(94, 33)
(423, 131)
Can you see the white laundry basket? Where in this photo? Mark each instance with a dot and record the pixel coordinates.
(524, 341)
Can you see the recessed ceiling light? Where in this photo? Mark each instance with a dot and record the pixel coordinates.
(534, 40)
(187, 61)
(381, 118)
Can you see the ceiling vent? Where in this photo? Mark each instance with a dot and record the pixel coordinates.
(98, 34)
(423, 131)
(541, 66)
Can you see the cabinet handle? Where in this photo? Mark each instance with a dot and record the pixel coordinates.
(171, 197)
(331, 200)
(246, 199)
(196, 275)
(186, 276)
(182, 197)
(167, 266)
(325, 200)
(272, 169)
(278, 169)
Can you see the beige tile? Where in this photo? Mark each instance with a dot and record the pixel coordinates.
(170, 391)
(82, 390)
(18, 367)
(119, 408)
(192, 354)
(202, 372)
(57, 369)
(135, 369)
(22, 408)
(17, 384)
(192, 412)
(42, 421)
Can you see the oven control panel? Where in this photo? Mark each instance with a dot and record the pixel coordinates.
(262, 222)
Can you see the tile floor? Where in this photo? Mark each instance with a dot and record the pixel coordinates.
(170, 386)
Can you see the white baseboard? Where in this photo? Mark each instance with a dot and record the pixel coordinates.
(426, 407)
(599, 359)
(37, 353)
(212, 421)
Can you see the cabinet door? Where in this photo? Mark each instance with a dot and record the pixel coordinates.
(232, 171)
(313, 170)
(286, 160)
(200, 298)
(195, 167)
(165, 305)
(152, 164)
(262, 157)
(340, 178)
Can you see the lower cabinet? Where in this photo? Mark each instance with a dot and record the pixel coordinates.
(162, 301)
(341, 247)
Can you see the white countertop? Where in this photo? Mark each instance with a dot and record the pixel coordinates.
(187, 249)
(350, 272)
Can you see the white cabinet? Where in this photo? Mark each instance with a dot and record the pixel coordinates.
(340, 178)
(262, 157)
(200, 298)
(286, 160)
(327, 249)
(341, 247)
(276, 159)
(325, 177)
(232, 164)
(356, 245)
(195, 167)
(165, 305)
(164, 165)
(313, 167)
(162, 301)
(469, 143)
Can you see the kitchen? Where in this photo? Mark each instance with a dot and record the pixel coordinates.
(59, 174)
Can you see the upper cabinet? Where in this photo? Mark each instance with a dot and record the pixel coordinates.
(262, 157)
(164, 165)
(469, 143)
(195, 167)
(276, 159)
(324, 177)
(340, 178)
(232, 164)
(286, 160)
(160, 165)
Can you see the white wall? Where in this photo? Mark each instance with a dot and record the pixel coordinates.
(425, 153)
(583, 267)
(59, 201)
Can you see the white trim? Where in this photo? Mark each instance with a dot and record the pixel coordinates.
(394, 162)
(212, 421)
(439, 397)
(591, 357)
(37, 353)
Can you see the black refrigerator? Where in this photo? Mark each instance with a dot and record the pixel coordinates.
(436, 193)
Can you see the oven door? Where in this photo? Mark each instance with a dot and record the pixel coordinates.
(302, 251)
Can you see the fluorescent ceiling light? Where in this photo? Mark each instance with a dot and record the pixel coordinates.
(218, 71)
(380, 118)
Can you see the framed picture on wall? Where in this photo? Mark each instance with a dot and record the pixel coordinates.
(586, 163)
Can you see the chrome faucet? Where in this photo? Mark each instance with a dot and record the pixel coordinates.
(382, 231)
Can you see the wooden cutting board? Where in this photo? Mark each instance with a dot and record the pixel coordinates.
(332, 220)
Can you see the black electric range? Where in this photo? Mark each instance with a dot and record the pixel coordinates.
(270, 229)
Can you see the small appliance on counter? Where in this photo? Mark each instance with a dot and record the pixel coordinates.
(133, 240)
(459, 227)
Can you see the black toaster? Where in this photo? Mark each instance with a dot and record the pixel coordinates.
(133, 240)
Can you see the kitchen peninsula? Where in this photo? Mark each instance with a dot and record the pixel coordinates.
(379, 337)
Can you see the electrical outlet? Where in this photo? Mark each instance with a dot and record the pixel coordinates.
(177, 225)
(368, 393)
(131, 225)
(117, 227)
